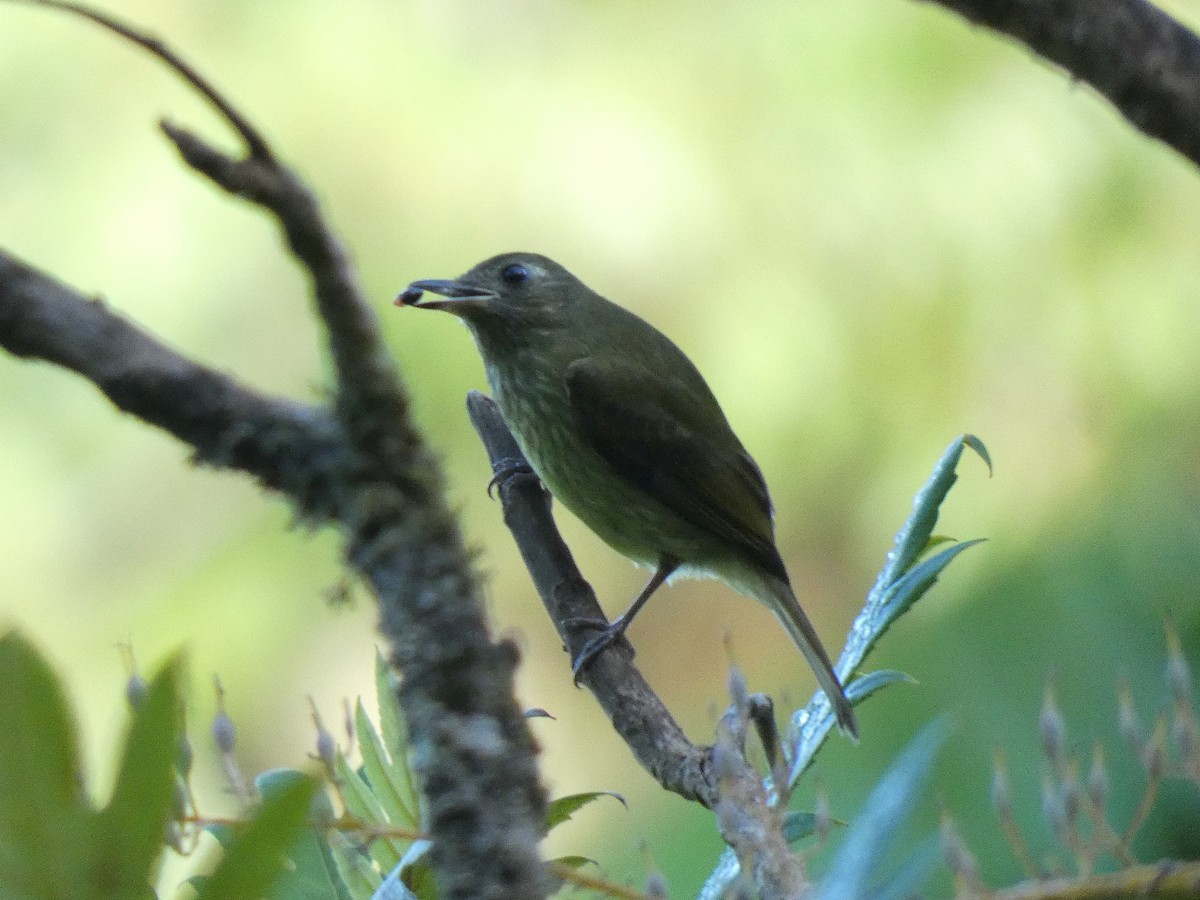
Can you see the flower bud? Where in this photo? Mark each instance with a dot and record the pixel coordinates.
(1051, 727)
(1098, 784)
(1001, 794)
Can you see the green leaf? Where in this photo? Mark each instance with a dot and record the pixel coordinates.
(395, 888)
(564, 807)
(911, 878)
(913, 537)
(904, 579)
(419, 879)
(46, 823)
(574, 862)
(354, 866)
(936, 540)
(816, 720)
(223, 834)
(915, 582)
(312, 873)
(395, 736)
(863, 687)
(379, 770)
(361, 803)
(129, 836)
(981, 451)
(798, 825)
(860, 858)
(256, 856)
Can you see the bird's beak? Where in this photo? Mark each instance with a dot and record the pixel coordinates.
(459, 295)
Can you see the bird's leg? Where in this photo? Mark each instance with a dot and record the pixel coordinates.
(504, 469)
(615, 629)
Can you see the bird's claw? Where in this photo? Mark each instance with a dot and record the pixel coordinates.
(504, 469)
(596, 645)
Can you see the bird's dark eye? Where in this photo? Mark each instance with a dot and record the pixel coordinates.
(514, 274)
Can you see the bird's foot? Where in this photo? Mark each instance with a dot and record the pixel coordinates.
(504, 469)
(595, 646)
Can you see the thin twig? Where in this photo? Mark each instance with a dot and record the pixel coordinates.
(155, 47)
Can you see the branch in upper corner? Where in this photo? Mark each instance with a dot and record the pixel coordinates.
(1142, 60)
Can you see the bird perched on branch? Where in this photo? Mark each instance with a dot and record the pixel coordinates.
(622, 429)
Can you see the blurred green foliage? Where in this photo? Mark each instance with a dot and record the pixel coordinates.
(871, 226)
(54, 842)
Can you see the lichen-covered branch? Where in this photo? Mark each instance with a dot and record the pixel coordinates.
(1142, 60)
(1162, 881)
(720, 777)
(361, 464)
(636, 712)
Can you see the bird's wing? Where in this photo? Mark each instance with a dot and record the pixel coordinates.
(673, 442)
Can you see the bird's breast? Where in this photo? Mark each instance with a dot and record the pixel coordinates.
(538, 412)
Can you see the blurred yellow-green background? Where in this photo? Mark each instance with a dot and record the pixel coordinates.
(871, 226)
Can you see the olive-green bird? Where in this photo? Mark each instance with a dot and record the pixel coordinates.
(623, 430)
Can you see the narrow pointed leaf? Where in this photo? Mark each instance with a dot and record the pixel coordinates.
(904, 578)
(863, 687)
(812, 725)
(395, 735)
(858, 861)
(916, 531)
(311, 872)
(44, 814)
(916, 581)
(564, 807)
(130, 830)
(798, 825)
(981, 451)
(37, 724)
(361, 804)
(911, 878)
(387, 787)
(354, 867)
(574, 862)
(256, 856)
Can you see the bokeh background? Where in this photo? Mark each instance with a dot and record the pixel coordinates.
(873, 228)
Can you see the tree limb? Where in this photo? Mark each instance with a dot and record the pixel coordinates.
(287, 446)
(1162, 881)
(362, 464)
(720, 777)
(636, 712)
(1138, 57)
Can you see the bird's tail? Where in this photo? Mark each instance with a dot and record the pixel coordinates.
(787, 609)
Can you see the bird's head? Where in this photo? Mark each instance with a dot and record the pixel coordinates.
(514, 289)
